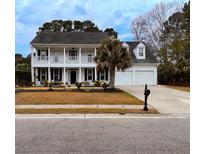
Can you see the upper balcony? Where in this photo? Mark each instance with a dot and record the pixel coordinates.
(64, 56)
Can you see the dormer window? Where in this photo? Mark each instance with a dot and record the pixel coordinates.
(141, 52)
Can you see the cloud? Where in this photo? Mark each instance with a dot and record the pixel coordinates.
(118, 14)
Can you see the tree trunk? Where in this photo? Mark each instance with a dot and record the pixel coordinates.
(112, 78)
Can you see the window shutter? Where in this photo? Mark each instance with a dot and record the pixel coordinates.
(39, 74)
(46, 52)
(85, 74)
(46, 74)
(51, 74)
(39, 52)
(98, 75)
(106, 74)
(60, 74)
(93, 74)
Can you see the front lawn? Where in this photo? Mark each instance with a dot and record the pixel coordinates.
(73, 97)
(84, 111)
(182, 88)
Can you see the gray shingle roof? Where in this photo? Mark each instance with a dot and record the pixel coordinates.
(69, 38)
(150, 58)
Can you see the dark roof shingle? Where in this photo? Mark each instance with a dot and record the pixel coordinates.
(69, 38)
(150, 58)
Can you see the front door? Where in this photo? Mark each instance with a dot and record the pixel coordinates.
(72, 77)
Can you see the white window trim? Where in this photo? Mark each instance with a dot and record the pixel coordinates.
(43, 74)
(102, 73)
(90, 74)
(90, 60)
(58, 74)
(72, 57)
(136, 51)
(140, 52)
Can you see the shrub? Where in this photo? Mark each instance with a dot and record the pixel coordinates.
(105, 86)
(45, 83)
(32, 83)
(50, 85)
(97, 83)
(57, 83)
(78, 84)
(85, 83)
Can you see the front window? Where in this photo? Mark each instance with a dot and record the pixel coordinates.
(141, 53)
(43, 74)
(56, 75)
(72, 55)
(90, 74)
(102, 75)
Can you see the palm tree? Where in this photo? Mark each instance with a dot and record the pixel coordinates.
(111, 55)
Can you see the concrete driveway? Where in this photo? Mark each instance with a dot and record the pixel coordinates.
(165, 100)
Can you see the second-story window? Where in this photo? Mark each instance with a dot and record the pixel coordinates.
(43, 55)
(90, 58)
(56, 59)
(141, 52)
(72, 55)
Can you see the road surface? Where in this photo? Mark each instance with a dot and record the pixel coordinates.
(140, 134)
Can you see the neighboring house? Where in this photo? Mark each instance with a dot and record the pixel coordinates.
(68, 57)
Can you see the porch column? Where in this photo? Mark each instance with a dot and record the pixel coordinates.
(79, 76)
(64, 55)
(49, 74)
(36, 74)
(95, 51)
(80, 56)
(32, 74)
(49, 55)
(96, 74)
(64, 76)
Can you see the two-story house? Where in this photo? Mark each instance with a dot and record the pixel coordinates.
(68, 57)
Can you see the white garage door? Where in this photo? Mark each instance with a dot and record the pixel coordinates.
(124, 78)
(143, 77)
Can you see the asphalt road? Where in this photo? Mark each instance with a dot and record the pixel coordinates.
(143, 135)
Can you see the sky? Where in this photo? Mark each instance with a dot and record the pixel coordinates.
(118, 14)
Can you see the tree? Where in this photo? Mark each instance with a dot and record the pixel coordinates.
(79, 26)
(111, 32)
(148, 27)
(174, 53)
(66, 26)
(23, 70)
(111, 55)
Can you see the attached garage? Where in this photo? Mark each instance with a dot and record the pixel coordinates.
(124, 78)
(143, 77)
(139, 75)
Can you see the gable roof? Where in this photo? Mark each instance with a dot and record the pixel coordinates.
(150, 58)
(69, 38)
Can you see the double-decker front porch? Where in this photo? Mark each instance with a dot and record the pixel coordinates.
(63, 56)
(67, 75)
